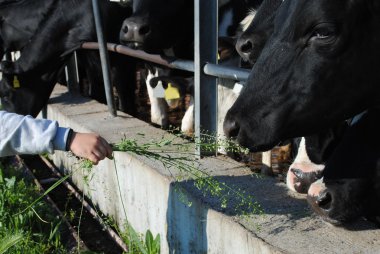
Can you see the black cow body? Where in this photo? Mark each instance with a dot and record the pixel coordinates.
(46, 32)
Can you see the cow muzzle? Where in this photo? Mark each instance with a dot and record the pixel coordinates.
(340, 201)
(134, 31)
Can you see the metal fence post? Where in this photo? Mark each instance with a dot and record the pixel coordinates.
(104, 58)
(206, 25)
(72, 75)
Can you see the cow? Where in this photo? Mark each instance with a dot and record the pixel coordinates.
(46, 32)
(314, 150)
(168, 28)
(308, 76)
(351, 178)
(155, 28)
(306, 63)
(311, 156)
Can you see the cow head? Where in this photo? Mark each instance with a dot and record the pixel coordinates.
(313, 152)
(158, 24)
(258, 27)
(319, 67)
(351, 182)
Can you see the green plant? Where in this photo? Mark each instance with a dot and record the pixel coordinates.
(9, 241)
(25, 232)
(152, 244)
(190, 168)
(172, 155)
(180, 158)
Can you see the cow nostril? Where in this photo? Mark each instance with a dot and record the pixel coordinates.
(125, 29)
(246, 47)
(144, 30)
(324, 200)
(231, 128)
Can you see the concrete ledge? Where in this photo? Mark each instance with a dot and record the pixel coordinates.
(151, 202)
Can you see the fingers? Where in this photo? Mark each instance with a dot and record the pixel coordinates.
(91, 146)
(106, 148)
(101, 150)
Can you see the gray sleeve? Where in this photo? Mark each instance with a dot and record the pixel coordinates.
(26, 135)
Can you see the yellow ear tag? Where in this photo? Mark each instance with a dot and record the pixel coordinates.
(171, 92)
(218, 57)
(16, 82)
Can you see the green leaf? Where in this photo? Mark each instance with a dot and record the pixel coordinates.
(157, 244)
(9, 241)
(44, 194)
(149, 241)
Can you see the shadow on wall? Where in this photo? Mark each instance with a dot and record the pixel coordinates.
(187, 225)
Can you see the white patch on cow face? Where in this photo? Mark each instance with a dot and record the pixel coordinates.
(187, 125)
(246, 22)
(302, 162)
(158, 106)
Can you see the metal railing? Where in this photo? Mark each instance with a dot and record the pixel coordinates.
(205, 67)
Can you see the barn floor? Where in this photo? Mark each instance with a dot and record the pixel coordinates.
(149, 194)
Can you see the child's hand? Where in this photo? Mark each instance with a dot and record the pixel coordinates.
(90, 146)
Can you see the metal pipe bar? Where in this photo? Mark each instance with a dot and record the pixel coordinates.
(205, 86)
(72, 75)
(226, 72)
(104, 59)
(169, 62)
(172, 62)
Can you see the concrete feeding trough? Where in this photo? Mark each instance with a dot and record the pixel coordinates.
(150, 200)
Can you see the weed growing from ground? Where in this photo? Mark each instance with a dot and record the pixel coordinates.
(25, 232)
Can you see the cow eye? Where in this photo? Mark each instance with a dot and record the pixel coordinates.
(324, 33)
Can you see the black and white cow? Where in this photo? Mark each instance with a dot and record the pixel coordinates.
(311, 74)
(311, 156)
(46, 32)
(351, 178)
(317, 69)
(160, 27)
(168, 28)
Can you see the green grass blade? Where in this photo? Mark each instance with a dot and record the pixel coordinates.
(55, 185)
(9, 241)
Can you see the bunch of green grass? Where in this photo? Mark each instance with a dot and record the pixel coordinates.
(25, 232)
(179, 156)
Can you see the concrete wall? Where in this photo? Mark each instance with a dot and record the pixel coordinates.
(150, 200)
